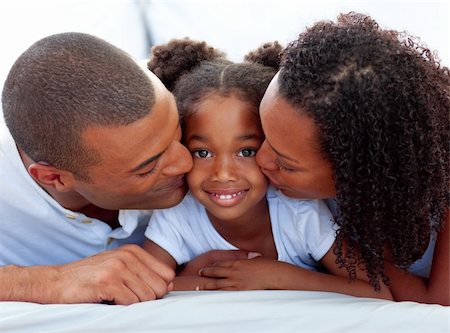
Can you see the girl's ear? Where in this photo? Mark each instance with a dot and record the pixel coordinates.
(49, 176)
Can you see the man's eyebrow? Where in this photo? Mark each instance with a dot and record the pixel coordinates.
(147, 162)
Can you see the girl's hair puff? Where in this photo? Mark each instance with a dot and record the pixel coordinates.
(192, 70)
(170, 61)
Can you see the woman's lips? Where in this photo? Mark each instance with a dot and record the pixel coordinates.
(277, 186)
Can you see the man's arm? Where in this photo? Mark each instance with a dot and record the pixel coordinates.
(122, 276)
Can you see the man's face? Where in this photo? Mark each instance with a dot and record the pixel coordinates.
(142, 164)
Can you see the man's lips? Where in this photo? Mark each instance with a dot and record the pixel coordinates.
(176, 183)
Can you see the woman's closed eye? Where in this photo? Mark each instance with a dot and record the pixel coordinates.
(283, 167)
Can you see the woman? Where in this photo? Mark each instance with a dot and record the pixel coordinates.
(361, 114)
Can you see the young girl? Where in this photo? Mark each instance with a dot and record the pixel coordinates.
(230, 205)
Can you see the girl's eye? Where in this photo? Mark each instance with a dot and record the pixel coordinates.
(202, 153)
(247, 152)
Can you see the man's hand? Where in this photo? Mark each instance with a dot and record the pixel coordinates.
(122, 276)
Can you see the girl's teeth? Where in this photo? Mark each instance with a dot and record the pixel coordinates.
(228, 196)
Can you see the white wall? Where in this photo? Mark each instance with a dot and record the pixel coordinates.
(23, 22)
(235, 26)
(238, 26)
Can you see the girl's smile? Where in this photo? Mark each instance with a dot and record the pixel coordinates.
(227, 197)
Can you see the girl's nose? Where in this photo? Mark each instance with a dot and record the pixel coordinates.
(224, 170)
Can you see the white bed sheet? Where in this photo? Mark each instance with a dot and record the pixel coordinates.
(219, 311)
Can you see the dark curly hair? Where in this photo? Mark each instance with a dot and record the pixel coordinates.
(192, 70)
(381, 103)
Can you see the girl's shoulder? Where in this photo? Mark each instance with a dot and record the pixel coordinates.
(189, 204)
(276, 197)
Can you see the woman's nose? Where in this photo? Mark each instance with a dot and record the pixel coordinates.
(265, 157)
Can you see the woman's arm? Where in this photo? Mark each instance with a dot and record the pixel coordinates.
(406, 286)
(358, 287)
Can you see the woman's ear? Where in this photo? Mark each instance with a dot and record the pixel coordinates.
(49, 176)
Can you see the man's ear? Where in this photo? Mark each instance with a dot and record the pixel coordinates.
(49, 176)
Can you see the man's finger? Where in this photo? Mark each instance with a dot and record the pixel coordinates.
(150, 263)
(119, 294)
(147, 288)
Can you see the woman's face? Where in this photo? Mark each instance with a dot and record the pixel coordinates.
(290, 155)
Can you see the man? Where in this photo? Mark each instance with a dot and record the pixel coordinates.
(88, 132)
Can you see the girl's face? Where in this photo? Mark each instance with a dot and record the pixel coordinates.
(223, 135)
(290, 156)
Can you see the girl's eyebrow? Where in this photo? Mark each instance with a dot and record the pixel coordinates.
(197, 137)
(249, 137)
(241, 137)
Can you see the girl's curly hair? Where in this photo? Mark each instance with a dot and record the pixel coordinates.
(381, 102)
(191, 70)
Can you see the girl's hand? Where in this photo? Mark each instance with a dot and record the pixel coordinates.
(247, 274)
(214, 257)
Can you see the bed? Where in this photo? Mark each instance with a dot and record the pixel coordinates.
(227, 311)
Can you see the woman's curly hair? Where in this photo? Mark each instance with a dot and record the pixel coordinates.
(192, 70)
(381, 102)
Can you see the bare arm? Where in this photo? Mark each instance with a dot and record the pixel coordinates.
(406, 286)
(123, 276)
(188, 278)
(263, 273)
(179, 283)
(340, 283)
